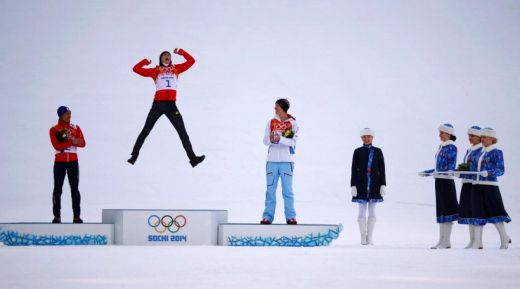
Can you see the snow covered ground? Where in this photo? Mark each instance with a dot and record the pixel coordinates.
(400, 67)
(229, 267)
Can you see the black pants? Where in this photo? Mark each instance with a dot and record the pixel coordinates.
(60, 170)
(170, 110)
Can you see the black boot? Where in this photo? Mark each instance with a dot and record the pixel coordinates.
(77, 220)
(56, 220)
(292, 221)
(133, 158)
(197, 160)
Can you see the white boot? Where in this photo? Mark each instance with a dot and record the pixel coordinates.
(363, 230)
(441, 236)
(445, 241)
(471, 236)
(447, 235)
(477, 243)
(370, 230)
(504, 238)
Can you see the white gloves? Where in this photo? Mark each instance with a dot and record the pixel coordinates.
(484, 174)
(353, 190)
(423, 174)
(382, 190)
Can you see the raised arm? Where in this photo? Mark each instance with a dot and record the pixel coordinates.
(146, 72)
(185, 65)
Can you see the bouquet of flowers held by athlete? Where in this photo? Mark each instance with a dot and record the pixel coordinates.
(463, 167)
(288, 133)
(62, 135)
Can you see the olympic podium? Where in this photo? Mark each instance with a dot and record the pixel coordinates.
(281, 235)
(165, 227)
(47, 234)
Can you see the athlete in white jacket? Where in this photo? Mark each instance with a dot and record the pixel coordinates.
(281, 135)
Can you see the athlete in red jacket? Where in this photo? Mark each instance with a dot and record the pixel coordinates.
(66, 138)
(165, 75)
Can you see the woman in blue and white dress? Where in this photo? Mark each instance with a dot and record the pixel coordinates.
(465, 214)
(446, 203)
(487, 204)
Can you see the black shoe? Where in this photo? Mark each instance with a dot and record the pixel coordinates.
(292, 221)
(77, 220)
(56, 220)
(132, 159)
(265, 222)
(197, 160)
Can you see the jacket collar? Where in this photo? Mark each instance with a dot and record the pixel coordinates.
(490, 148)
(290, 117)
(445, 143)
(476, 147)
(62, 123)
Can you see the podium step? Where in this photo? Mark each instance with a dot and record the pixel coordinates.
(47, 234)
(165, 227)
(304, 235)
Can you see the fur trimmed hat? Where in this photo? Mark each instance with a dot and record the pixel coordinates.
(447, 128)
(367, 131)
(475, 130)
(489, 132)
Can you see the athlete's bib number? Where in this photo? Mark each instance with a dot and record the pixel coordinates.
(167, 81)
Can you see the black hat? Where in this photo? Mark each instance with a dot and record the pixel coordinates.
(284, 104)
(62, 109)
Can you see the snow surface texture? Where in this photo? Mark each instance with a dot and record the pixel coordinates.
(399, 67)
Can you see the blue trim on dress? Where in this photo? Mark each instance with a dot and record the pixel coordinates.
(447, 219)
(363, 201)
(472, 221)
(499, 219)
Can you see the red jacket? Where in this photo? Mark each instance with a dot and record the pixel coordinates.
(66, 150)
(165, 78)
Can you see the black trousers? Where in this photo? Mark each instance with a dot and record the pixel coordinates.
(169, 108)
(71, 169)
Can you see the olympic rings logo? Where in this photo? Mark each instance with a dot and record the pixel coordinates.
(160, 225)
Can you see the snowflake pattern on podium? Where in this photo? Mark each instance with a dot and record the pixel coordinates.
(13, 238)
(310, 240)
